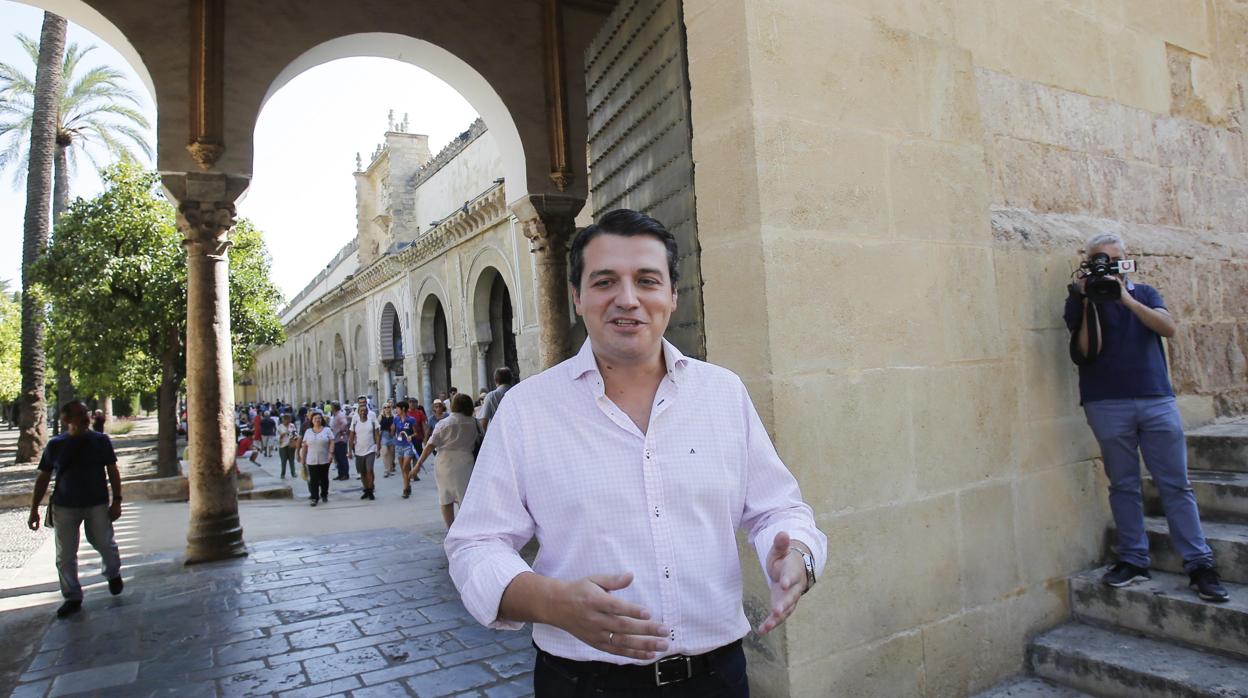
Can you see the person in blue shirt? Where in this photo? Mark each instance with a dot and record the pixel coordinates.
(85, 467)
(1125, 391)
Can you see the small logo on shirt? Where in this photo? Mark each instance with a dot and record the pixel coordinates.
(692, 452)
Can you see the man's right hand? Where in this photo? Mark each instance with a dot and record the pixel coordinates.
(587, 610)
(33, 521)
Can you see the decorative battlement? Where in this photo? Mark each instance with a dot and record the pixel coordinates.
(455, 147)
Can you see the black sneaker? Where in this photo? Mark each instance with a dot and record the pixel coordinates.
(365, 495)
(115, 585)
(1208, 585)
(1125, 574)
(407, 492)
(314, 501)
(69, 608)
(370, 496)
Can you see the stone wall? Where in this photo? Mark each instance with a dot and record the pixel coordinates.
(891, 195)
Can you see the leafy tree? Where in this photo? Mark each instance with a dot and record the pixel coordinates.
(10, 344)
(116, 275)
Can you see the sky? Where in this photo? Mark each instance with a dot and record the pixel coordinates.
(302, 193)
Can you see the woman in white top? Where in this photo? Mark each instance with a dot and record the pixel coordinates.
(315, 453)
(455, 437)
(363, 437)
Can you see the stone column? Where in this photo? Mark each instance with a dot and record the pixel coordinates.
(205, 216)
(483, 376)
(548, 221)
(426, 379)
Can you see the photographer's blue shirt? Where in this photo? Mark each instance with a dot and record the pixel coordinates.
(80, 464)
(1132, 362)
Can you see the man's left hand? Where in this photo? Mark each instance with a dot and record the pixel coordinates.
(114, 510)
(786, 575)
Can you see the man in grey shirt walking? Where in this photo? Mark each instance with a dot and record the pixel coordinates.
(502, 380)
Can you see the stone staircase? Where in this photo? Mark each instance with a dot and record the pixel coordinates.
(1158, 638)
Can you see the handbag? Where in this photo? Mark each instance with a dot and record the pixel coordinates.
(303, 471)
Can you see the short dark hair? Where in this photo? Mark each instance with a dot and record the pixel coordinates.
(628, 223)
(401, 404)
(502, 375)
(76, 411)
(462, 403)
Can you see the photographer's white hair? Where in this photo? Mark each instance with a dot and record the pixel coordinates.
(1106, 239)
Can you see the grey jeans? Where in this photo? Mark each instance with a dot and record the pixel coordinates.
(66, 522)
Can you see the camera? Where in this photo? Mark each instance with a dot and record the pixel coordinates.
(1098, 288)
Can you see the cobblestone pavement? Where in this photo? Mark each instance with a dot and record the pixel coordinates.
(366, 613)
(17, 541)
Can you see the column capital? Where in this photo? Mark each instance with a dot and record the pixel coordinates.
(547, 220)
(205, 203)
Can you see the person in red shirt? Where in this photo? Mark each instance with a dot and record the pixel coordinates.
(246, 447)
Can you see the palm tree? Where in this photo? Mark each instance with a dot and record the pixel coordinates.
(39, 161)
(97, 114)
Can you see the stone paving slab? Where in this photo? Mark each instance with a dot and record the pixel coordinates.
(365, 613)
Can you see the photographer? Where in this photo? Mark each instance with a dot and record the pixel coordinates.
(1125, 391)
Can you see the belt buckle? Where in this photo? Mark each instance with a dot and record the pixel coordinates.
(682, 665)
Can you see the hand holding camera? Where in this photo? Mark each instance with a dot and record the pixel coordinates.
(1098, 278)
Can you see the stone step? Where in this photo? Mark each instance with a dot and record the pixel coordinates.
(1229, 542)
(1219, 447)
(270, 490)
(1165, 608)
(1221, 494)
(1108, 663)
(1031, 687)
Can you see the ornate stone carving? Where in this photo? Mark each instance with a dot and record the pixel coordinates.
(205, 154)
(206, 221)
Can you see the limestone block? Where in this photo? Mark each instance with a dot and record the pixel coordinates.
(1060, 521)
(893, 667)
(836, 305)
(1050, 383)
(718, 54)
(1040, 607)
(854, 604)
(1140, 70)
(1197, 410)
(1195, 194)
(966, 301)
(1221, 358)
(1231, 25)
(1120, 131)
(815, 178)
(1175, 278)
(990, 567)
(964, 419)
(1185, 371)
(1199, 147)
(1111, 12)
(1040, 41)
(847, 437)
(727, 181)
(844, 58)
(1038, 291)
(1041, 178)
(1133, 191)
(735, 314)
(971, 651)
(1233, 278)
(923, 17)
(1208, 279)
(1179, 22)
(1230, 204)
(939, 191)
(1057, 441)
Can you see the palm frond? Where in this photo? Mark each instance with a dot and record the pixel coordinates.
(30, 46)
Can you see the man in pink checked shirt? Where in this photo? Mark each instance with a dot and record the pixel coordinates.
(634, 484)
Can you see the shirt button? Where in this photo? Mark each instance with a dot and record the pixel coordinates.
(656, 511)
(667, 573)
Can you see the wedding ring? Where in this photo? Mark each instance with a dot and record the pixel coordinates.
(610, 638)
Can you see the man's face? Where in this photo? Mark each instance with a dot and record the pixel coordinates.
(626, 297)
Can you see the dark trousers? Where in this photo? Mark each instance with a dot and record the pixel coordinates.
(287, 454)
(555, 679)
(340, 459)
(318, 481)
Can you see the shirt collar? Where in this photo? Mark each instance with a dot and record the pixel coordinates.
(584, 361)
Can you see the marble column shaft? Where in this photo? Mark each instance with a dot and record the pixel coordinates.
(205, 216)
(549, 222)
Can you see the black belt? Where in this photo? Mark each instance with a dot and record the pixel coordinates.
(673, 669)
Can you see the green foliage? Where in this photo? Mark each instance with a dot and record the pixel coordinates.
(116, 276)
(97, 115)
(147, 402)
(10, 344)
(254, 298)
